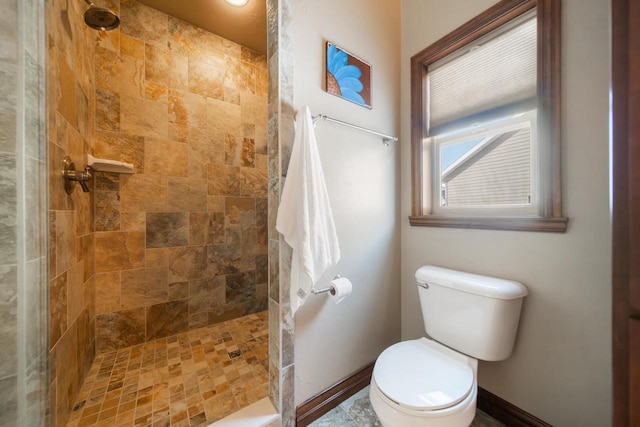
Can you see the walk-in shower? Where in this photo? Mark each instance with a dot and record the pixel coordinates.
(159, 274)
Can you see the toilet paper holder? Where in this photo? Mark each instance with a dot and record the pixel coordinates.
(325, 290)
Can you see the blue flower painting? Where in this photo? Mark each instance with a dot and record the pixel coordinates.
(348, 76)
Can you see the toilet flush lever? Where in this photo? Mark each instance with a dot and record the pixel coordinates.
(423, 285)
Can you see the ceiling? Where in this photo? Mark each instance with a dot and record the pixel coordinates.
(246, 25)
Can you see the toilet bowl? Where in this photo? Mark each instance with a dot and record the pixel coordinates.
(432, 382)
(423, 383)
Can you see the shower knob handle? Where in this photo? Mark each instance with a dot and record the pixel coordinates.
(71, 176)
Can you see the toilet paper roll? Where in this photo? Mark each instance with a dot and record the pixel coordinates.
(340, 289)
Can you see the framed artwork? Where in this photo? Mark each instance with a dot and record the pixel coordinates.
(348, 76)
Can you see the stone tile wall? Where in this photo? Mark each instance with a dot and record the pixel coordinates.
(280, 142)
(8, 212)
(181, 243)
(23, 354)
(32, 209)
(70, 95)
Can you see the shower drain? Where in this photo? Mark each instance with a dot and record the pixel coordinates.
(234, 354)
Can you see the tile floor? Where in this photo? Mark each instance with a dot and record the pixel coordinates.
(189, 379)
(357, 412)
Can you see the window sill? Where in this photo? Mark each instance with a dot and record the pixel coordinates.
(553, 225)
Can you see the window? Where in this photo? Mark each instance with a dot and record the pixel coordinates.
(482, 169)
(485, 122)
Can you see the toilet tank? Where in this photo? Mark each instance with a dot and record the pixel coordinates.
(473, 314)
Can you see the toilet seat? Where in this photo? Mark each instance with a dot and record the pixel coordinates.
(419, 375)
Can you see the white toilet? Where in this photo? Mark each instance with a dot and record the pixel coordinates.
(432, 382)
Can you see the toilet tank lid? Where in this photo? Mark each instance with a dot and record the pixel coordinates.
(487, 286)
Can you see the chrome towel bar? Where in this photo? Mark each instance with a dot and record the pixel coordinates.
(386, 139)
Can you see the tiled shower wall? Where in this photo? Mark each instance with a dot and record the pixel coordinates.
(182, 242)
(281, 133)
(8, 225)
(23, 353)
(70, 94)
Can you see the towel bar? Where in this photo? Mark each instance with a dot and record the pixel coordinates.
(386, 139)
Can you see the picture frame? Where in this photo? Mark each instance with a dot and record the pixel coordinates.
(347, 76)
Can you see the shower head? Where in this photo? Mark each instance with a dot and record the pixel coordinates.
(99, 18)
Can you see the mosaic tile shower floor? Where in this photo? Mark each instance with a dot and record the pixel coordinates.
(189, 379)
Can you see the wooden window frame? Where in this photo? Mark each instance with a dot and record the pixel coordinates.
(550, 218)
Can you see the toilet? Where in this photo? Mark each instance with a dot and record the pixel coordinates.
(433, 381)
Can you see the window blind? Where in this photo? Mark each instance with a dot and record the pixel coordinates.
(496, 71)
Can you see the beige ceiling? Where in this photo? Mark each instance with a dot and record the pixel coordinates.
(246, 25)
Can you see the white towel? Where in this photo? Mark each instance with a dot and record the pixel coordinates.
(304, 215)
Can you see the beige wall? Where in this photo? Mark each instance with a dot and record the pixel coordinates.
(332, 341)
(561, 367)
